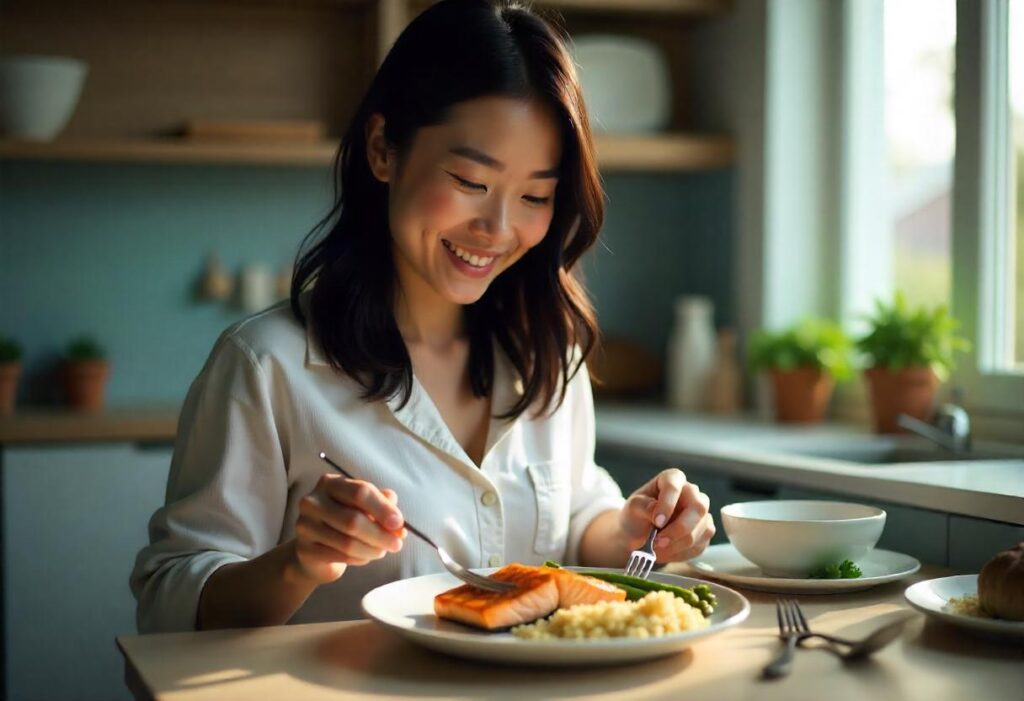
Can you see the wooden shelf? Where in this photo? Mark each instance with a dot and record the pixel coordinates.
(664, 152)
(36, 425)
(670, 152)
(639, 7)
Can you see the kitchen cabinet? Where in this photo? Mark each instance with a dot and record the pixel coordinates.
(154, 65)
(74, 517)
(973, 541)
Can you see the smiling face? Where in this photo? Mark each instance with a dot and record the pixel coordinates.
(471, 196)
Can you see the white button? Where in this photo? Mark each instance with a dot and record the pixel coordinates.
(494, 561)
(489, 499)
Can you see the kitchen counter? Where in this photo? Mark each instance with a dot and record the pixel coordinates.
(361, 660)
(758, 451)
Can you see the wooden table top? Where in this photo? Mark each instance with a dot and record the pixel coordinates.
(361, 660)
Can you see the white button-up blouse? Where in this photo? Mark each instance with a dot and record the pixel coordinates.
(266, 404)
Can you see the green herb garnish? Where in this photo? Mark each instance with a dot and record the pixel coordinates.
(844, 570)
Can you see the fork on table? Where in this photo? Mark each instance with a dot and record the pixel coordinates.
(449, 563)
(641, 561)
(790, 632)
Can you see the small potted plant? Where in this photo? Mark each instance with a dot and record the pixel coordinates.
(85, 374)
(804, 362)
(10, 371)
(908, 352)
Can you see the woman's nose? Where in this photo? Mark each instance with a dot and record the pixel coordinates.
(494, 220)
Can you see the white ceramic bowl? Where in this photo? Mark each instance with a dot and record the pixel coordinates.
(38, 95)
(625, 83)
(790, 538)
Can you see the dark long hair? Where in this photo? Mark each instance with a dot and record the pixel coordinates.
(538, 311)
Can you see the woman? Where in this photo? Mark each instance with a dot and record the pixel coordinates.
(434, 346)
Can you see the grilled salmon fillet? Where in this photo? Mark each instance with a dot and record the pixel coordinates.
(576, 588)
(538, 592)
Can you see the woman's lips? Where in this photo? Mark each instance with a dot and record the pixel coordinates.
(466, 268)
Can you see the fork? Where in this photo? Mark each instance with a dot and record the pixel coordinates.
(641, 561)
(449, 563)
(790, 633)
(856, 649)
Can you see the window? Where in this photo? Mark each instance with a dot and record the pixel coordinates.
(946, 78)
(988, 274)
(1016, 224)
(920, 131)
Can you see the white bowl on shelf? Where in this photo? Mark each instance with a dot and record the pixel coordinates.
(38, 95)
(791, 538)
(625, 82)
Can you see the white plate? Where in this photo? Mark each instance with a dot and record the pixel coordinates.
(931, 596)
(724, 563)
(407, 607)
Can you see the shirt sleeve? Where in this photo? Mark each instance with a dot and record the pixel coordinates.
(593, 489)
(226, 492)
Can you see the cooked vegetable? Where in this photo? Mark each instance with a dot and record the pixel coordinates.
(844, 570)
(700, 597)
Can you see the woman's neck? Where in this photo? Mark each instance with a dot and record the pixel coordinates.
(424, 318)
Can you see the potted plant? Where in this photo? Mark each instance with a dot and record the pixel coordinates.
(85, 374)
(908, 352)
(804, 362)
(10, 371)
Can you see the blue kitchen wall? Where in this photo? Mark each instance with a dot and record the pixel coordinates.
(114, 251)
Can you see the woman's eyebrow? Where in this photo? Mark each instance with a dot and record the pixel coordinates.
(491, 162)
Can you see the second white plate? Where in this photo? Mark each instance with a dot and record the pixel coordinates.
(932, 595)
(724, 563)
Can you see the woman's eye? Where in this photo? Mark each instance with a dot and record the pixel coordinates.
(536, 200)
(468, 184)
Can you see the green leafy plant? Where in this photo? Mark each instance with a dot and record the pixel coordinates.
(85, 348)
(10, 351)
(901, 337)
(846, 569)
(811, 343)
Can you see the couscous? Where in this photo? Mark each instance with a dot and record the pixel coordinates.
(659, 613)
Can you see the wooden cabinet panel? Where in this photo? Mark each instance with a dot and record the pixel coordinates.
(74, 518)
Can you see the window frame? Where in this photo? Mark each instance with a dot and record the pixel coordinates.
(982, 260)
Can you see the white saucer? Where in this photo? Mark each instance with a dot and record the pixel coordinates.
(724, 563)
(931, 596)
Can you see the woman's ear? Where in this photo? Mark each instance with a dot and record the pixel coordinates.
(377, 148)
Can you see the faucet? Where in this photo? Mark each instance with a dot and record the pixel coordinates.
(950, 429)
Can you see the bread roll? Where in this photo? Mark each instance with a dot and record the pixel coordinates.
(1001, 585)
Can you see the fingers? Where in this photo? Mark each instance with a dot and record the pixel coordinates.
(688, 546)
(366, 498)
(330, 544)
(678, 508)
(671, 485)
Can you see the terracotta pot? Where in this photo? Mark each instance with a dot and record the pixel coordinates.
(801, 394)
(9, 374)
(893, 392)
(85, 382)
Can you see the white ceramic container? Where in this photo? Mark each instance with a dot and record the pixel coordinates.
(790, 538)
(38, 95)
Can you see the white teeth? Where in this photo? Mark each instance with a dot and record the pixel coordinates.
(474, 260)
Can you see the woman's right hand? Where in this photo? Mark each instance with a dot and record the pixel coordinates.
(345, 522)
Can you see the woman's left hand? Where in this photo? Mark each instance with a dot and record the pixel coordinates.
(678, 508)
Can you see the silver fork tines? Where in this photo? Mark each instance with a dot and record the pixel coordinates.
(790, 633)
(641, 561)
(450, 564)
